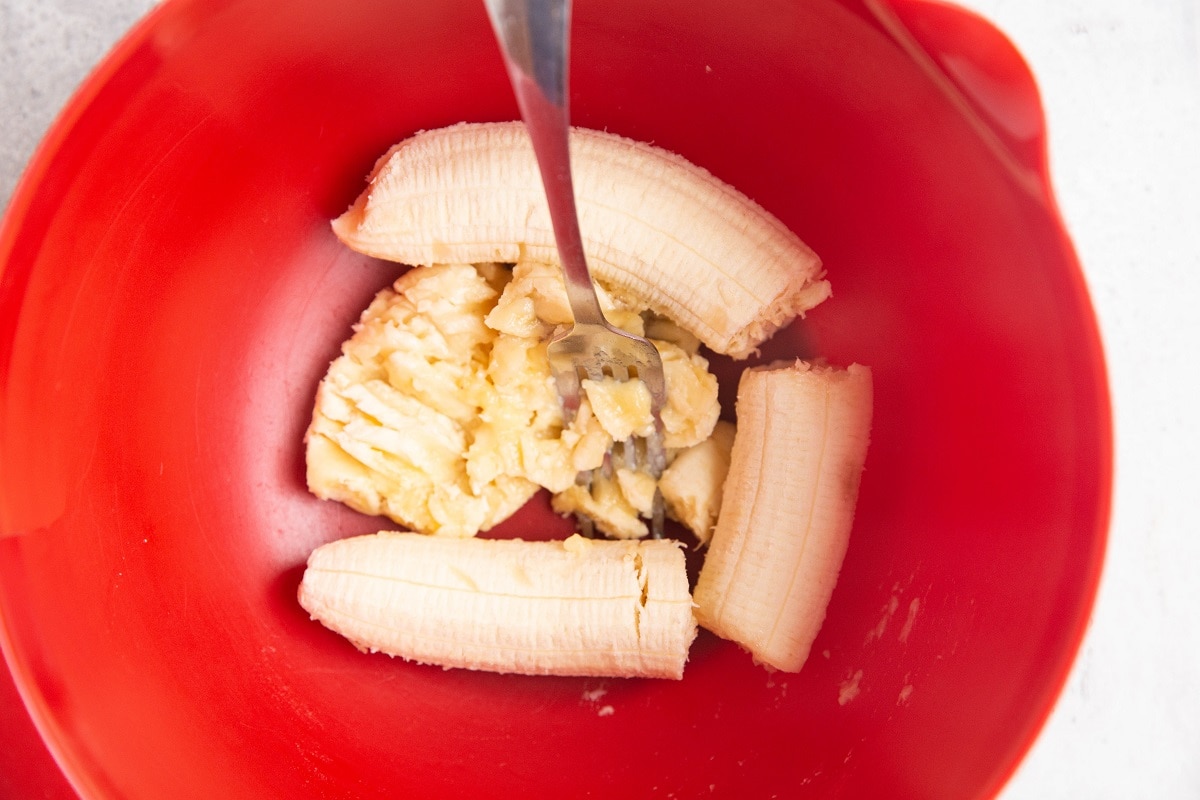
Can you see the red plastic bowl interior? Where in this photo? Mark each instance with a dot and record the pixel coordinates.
(171, 294)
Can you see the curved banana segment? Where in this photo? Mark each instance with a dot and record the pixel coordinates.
(655, 226)
(787, 508)
(577, 607)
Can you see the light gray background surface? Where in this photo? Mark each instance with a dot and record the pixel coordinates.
(1121, 85)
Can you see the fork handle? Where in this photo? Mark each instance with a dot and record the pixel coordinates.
(534, 38)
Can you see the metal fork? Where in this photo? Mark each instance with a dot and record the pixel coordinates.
(534, 36)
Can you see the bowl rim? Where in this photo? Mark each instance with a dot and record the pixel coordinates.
(42, 160)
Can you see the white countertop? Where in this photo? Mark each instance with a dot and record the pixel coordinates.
(1121, 86)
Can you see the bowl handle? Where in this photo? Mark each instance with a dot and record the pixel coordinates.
(980, 70)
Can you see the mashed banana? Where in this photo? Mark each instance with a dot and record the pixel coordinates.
(441, 412)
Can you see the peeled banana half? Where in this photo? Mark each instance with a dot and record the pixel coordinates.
(576, 607)
(442, 403)
(655, 227)
(788, 507)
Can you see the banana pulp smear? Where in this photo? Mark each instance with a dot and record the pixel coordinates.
(441, 412)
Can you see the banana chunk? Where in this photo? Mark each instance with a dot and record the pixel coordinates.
(578, 607)
(787, 508)
(691, 485)
(656, 227)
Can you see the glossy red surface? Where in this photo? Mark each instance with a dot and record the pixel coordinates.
(171, 294)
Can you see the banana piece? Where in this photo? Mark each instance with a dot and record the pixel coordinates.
(655, 227)
(691, 485)
(607, 504)
(577, 607)
(787, 508)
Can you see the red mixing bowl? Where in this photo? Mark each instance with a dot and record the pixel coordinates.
(171, 293)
